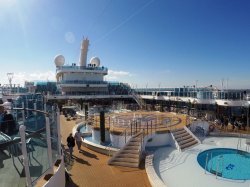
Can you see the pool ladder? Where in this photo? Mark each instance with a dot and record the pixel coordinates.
(219, 166)
(239, 141)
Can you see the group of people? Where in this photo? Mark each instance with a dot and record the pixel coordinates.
(72, 140)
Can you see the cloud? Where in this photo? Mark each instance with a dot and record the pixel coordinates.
(21, 77)
(116, 75)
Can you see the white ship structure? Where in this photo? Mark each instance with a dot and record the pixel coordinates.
(35, 115)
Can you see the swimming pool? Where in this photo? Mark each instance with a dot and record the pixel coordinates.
(227, 163)
(106, 143)
(83, 129)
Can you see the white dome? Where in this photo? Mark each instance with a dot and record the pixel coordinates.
(59, 60)
(95, 61)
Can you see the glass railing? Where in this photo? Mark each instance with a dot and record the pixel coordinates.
(81, 68)
(82, 82)
(37, 151)
(11, 164)
(13, 170)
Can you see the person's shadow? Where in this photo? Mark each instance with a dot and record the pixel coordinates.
(81, 161)
(90, 155)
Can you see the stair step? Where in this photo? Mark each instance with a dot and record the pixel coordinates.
(181, 135)
(180, 132)
(138, 138)
(177, 130)
(186, 141)
(183, 138)
(129, 160)
(135, 140)
(131, 151)
(131, 148)
(125, 164)
(128, 155)
(189, 144)
(134, 143)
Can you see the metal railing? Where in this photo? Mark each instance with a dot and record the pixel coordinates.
(38, 153)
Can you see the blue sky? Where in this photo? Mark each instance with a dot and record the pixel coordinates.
(158, 43)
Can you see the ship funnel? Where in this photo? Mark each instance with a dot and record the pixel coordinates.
(84, 51)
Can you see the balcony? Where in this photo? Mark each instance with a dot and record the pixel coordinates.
(74, 68)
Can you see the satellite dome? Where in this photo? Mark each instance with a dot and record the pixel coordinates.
(59, 60)
(95, 61)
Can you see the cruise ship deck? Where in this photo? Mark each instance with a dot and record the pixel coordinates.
(90, 168)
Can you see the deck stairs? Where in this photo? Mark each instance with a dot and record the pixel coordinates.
(184, 138)
(130, 154)
(139, 100)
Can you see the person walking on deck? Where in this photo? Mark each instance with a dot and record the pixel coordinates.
(71, 144)
(78, 138)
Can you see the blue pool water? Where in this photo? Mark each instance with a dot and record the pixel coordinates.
(90, 138)
(83, 129)
(229, 163)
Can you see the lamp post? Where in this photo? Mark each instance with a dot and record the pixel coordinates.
(10, 77)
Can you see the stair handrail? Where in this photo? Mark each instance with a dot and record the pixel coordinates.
(138, 99)
(175, 141)
(192, 134)
(123, 133)
(239, 141)
(206, 163)
(142, 141)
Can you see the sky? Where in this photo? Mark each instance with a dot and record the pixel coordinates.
(146, 43)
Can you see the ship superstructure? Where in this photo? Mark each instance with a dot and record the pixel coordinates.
(81, 79)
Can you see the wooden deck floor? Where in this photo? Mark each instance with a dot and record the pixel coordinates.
(90, 169)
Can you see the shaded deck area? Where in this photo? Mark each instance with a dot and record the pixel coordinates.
(89, 168)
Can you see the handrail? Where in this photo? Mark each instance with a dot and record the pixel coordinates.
(239, 141)
(206, 163)
(138, 99)
(18, 139)
(33, 110)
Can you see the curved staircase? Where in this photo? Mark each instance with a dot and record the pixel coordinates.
(130, 154)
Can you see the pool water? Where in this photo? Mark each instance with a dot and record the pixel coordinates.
(226, 163)
(83, 129)
(90, 138)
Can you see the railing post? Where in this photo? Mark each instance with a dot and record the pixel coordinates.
(147, 127)
(125, 136)
(53, 117)
(49, 145)
(35, 107)
(131, 128)
(151, 127)
(109, 122)
(59, 132)
(23, 112)
(25, 156)
(45, 107)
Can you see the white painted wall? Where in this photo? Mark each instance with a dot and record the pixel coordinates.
(58, 179)
(118, 140)
(158, 140)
